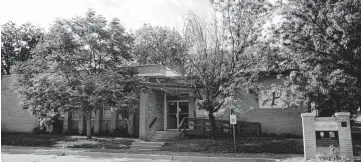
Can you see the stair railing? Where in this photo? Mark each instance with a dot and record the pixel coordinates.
(182, 128)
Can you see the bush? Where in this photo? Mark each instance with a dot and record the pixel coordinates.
(283, 135)
(120, 132)
(39, 130)
(71, 131)
(333, 156)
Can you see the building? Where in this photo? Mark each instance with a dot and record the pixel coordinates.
(170, 99)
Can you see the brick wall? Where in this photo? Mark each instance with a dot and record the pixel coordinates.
(13, 117)
(151, 106)
(273, 120)
(309, 134)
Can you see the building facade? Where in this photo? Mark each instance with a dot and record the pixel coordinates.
(163, 106)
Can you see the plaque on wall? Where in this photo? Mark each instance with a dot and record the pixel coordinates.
(326, 138)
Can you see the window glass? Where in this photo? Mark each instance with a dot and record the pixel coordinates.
(74, 115)
(107, 113)
(172, 107)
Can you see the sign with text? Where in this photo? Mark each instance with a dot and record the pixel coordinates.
(327, 138)
(326, 126)
(233, 119)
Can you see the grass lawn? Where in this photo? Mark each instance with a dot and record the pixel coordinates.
(45, 140)
(244, 145)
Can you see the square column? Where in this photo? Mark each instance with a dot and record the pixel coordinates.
(143, 109)
(191, 109)
(81, 123)
(66, 121)
(98, 121)
(309, 135)
(165, 111)
(113, 121)
(344, 133)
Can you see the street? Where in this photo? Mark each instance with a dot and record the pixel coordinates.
(7, 157)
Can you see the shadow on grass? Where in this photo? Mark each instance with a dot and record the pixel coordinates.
(48, 140)
(244, 145)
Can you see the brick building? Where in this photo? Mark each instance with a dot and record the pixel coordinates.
(168, 101)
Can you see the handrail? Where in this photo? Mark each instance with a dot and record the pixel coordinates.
(181, 126)
(152, 123)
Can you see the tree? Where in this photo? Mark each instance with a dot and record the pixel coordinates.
(160, 45)
(223, 53)
(79, 66)
(17, 43)
(322, 38)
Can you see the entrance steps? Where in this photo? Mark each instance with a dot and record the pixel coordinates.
(149, 146)
(161, 136)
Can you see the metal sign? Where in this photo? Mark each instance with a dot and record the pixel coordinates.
(233, 119)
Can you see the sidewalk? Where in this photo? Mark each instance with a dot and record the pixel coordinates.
(151, 155)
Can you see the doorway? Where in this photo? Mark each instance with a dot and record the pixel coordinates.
(177, 110)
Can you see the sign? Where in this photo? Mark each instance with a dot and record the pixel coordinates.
(233, 119)
(326, 126)
(327, 138)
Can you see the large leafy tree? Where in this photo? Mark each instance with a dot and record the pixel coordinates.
(323, 39)
(224, 52)
(78, 66)
(160, 45)
(17, 43)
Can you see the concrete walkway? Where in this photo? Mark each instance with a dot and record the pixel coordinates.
(45, 154)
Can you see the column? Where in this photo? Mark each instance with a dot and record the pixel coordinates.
(344, 134)
(191, 109)
(165, 111)
(309, 135)
(66, 121)
(143, 109)
(113, 120)
(81, 123)
(98, 120)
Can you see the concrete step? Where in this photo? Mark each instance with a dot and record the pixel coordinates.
(147, 145)
(162, 140)
(163, 135)
(167, 132)
(170, 135)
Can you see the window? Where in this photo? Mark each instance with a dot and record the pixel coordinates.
(107, 113)
(271, 99)
(74, 115)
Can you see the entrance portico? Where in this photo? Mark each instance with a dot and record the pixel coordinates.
(163, 109)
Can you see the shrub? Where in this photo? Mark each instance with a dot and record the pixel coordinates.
(120, 132)
(39, 130)
(333, 156)
(71, 131)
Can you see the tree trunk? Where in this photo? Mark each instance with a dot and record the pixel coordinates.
(88, 126)
(213, 124)
(7, 69)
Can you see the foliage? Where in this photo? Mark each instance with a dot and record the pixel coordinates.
(71, 131)
(79, 65)
(160, 45)
(322, 38)
(17, 43)
(39, 130)
(222, 51)
(333, 156)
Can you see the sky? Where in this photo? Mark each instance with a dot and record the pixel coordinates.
(132, 13)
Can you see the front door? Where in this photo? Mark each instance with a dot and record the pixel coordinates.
(177, 110)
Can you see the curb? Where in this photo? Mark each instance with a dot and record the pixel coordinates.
(168, 157)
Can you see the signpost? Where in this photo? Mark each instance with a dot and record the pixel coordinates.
(233, 121)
